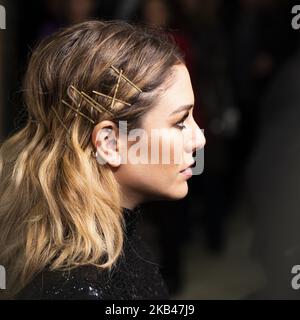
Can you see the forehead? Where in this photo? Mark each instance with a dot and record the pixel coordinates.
(178, 93)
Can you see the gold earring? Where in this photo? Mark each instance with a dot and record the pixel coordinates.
(94, 154)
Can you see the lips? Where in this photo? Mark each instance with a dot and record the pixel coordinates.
(190, 166)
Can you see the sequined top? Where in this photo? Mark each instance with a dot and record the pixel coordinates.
(136, 275)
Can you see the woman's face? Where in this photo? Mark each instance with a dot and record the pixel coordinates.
(165, 146)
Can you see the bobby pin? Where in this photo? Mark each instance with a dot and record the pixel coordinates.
(109, 97)
(90, 100)
(116, 90)
(125, 78)
(78, 112)
(59, 119)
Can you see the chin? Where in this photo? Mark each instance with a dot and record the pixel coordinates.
(179, 192)
(182, 194)
(173, 194)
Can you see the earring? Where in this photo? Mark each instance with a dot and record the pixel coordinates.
(94, 154)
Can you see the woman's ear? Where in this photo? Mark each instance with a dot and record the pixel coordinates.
(105, 138)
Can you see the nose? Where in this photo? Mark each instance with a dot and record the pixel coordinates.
(194, 139)
(199, 140)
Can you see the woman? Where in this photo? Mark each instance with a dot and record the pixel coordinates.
(73, 179)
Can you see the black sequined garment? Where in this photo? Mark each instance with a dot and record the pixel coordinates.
(136, 275)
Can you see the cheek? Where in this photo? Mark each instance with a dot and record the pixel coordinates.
(160, 164)
(168, 156)
(158, 180)
(167, 150)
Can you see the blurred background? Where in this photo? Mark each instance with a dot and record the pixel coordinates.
(237, 233)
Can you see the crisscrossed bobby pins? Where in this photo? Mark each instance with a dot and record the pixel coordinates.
(93, 103)
(96, 105)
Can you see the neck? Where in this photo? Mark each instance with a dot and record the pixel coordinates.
(129, 204)
(130, 201)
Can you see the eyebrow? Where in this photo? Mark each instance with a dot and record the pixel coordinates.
(182, 108)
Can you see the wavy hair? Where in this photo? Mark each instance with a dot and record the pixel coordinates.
(58, 207)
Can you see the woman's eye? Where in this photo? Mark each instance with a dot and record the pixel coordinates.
(180, 125)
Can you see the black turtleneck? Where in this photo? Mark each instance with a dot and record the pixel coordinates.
(135, 276)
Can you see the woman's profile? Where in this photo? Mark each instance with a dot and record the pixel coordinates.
(73, 178)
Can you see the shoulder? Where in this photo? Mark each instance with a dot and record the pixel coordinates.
(82, 283)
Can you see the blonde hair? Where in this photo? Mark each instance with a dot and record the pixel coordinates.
(58, 208)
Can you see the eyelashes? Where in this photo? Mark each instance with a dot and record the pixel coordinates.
(180, 124)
